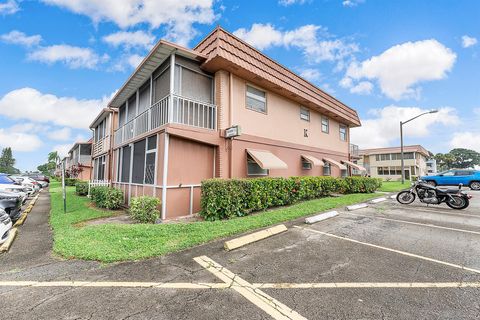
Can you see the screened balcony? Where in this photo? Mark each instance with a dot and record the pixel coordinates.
(182, 95)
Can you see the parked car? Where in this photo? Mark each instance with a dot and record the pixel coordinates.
(27, 182)
(467, 177)
(39, 177)
(11, 203)
(5, 226)
(9, 185)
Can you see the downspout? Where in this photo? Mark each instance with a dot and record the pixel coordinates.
(167, 138)
(230, 142)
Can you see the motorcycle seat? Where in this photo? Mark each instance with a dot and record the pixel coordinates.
(450, 191)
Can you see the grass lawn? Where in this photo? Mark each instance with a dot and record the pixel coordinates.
(392, 186)
(117, 242)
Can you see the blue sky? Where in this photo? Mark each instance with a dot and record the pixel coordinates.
(61, 61)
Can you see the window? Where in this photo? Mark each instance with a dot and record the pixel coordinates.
(306, 165)
(144, 98)
(99, 168)
(125, 166)
(132, 107)
(325, 124)
(253, 169)
(408, 155)
(304, 114)
(161, 85)
(463, 173)
(327, 169)
(343, 133)
(122, 115)
(193, 84)
(256, 99)
(380, 171)
(138, 161)
(150, 160)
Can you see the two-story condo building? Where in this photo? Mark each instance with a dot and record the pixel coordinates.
(80, 157)
(385, 163)
(102, 142)
(221, 110)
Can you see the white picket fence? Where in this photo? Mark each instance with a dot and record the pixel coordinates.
(97, 183)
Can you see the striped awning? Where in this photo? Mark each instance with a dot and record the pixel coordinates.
(314, 161)
(335, 163)
(266, 160)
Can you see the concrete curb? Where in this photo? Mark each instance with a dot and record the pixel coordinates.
(7, 244)
(378, 200)
(356, 206)
(253, 237)
(321, 217)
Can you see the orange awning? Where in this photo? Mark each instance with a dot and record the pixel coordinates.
(266, 160)
(354, 165)
(335, 163)
(314, 161)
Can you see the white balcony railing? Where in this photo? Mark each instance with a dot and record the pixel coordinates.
(101, 146)
(170, 109)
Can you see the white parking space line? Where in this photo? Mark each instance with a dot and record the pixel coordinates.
(107, 284)
(271, 306)
(442, 212)
(413, 223)
(392, 250)
(367, 285)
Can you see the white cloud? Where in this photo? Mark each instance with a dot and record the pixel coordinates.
(467, 140)
(313, 40)
(177, 16)
(400, 68)
(352, 3)
(18, 37)
(287, 3)
(363, 87)
(134, 60)
(9, 7)
(383, 128)
(32, 105)
(468, 41)
(73, 57)
(19, 141)
(62, 149)
(311, 74)
(130, 39)
(62, 134)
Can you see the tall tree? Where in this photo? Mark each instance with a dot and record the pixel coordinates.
(7, 161)
(458, 158)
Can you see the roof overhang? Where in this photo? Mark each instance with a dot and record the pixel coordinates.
(101, 115)
(77, 144)
(267, 160)
(162, 50)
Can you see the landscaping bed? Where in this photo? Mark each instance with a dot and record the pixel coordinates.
(121, 242)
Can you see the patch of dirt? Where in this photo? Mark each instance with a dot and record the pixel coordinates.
(118, 219)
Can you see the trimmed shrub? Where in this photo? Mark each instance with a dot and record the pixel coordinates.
(223, 199)
(144, 209)
(71, 182)
(106, 197)
(81, 188)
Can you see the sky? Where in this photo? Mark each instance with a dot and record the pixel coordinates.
(62, 60)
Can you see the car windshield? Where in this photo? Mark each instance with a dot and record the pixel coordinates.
(6, 179)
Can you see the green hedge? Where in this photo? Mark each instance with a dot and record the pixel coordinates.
(81, 188)
(106, 197)
(239, 197)
(144, 209)
(71, 182)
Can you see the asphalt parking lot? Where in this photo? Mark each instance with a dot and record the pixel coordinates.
(386, 261)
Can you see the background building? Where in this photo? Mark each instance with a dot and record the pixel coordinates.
(385, 163)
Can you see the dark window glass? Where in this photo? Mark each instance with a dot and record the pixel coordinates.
(253, 169)
(152, 142)
(126, 164)
(150, 168)
(144, 98)
(327, 170)
(121, 115)
(162, 85)
(132, 107)
(306, 165)
(86, 149)
(138, 161)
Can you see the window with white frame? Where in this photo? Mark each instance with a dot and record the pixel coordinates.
(125, 164)
(327, 169)
(256, 99)
(343, 132)
(325, 124)
(150, 156)
(253, 169)
(144, 155)
(304, 114)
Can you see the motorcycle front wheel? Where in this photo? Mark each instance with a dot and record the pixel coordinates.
(406, 197)
(457, 202)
